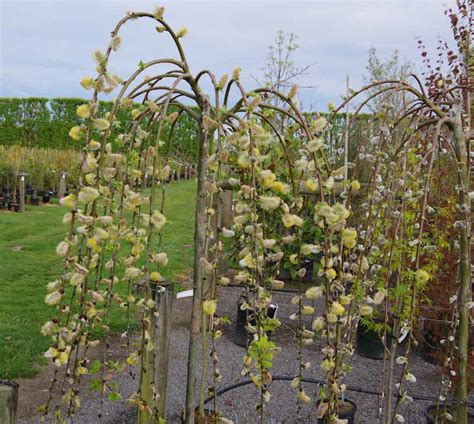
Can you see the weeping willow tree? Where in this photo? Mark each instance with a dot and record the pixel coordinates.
(292, 204)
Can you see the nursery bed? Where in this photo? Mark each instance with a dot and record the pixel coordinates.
(238, 404)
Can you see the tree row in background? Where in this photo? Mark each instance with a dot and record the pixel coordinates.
(45, 123)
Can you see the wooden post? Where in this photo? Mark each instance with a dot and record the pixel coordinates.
(214, 226)
(162, 338)
(227, 212)
(156, 361)
(222, 204)
(225, 221)
(62, 185)
(22, 191)
(8, 401)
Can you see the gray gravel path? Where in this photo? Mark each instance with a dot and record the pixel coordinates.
(238, 404)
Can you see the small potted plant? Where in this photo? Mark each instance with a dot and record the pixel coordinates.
(370, 341)
(346, 410)
(437, 413)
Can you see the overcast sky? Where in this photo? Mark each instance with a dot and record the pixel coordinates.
(45, 46)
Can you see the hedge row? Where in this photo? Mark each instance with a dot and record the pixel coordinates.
(45, 123)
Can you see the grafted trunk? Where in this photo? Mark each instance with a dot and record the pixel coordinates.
(465, 295)
(198, 277)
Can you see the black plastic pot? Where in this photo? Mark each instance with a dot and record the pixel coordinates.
(430, 415)
(369, 343)
(14, 207)
(46, 198)
(241, 336)
(429, 348)
(308, 264)
(34, 201)
(348, 415)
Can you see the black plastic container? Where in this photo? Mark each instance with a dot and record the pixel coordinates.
(241, 336)
(430, 415)
(14, 207)
(308, 264)
(369, 343)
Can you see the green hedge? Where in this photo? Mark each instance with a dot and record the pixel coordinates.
(37, 122)
(45, 123)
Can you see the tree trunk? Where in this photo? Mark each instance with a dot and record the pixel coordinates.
(465, 295)
(199, 252)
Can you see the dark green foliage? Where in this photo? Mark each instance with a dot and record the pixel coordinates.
(37, 122)
(45, 123)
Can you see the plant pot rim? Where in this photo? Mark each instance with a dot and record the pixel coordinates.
(346, 400)
(432, 406)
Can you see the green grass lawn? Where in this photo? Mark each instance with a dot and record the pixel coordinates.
(28, 262)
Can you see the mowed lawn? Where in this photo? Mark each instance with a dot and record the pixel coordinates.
(28, 262)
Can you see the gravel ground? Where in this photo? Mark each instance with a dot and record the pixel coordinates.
(238, 404)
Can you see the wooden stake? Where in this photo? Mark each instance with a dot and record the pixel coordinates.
(156, 362)
(227, 212)
(8, 401)
(226, 218)
(22, 192)
(162, 338)
(62, 185)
